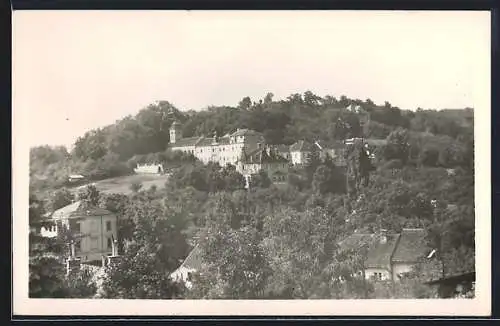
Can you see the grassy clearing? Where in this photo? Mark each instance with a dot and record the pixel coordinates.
(121, 185)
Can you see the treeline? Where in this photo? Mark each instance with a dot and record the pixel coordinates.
(436, 138)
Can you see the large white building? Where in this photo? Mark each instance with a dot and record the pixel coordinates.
(244, 148)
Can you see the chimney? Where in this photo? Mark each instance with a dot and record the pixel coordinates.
(72, 247)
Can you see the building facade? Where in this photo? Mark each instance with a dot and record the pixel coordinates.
(390, 256)
(244, 148)
(94, 230)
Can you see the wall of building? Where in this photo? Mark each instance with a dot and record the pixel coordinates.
(400, 268)
(97, 232)
(49, 231)
(182, 275)
(299, 157)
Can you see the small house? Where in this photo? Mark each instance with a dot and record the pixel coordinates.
(191, 264)
(94, 229)
(389, 256)
(300, 152)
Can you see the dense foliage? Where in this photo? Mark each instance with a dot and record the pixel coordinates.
(273, 241)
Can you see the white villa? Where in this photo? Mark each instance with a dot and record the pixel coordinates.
(94, 228)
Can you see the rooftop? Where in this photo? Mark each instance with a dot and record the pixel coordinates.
(261, 155)
(405, 247)
(193, 260)
(301, 146)
(411, 247)
(78, 209)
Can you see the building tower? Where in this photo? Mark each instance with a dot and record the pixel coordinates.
(175, 132)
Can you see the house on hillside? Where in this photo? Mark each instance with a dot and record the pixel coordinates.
(300, 152)
(263, 159)
(284, 151)
(191, 264)
(93, 228)
(332, 149)
(389, 256)
(222, 150)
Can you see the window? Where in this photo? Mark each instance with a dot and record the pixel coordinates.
(78, 246)
(77, 227)
(109, 244)
(108, 225)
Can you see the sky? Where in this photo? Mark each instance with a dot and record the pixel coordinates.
(78, 70)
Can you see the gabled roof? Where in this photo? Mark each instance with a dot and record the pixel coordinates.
(78, 209)
(301, 146)
(260, 155)
(193, 260)
(185, 142)
(411, 246)
(282, 148)
(379, 256)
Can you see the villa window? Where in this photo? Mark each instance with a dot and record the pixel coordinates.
(109, 244)
(108, 225)
(78, 245)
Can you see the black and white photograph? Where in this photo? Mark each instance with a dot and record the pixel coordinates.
(260, 162)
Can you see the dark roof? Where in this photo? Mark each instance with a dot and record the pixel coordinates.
(411, 246)
(379, 255)
(330, 144)
(77, 210)
(282, 148)
(193, 260)
(260, 155)
(301, 146)
(184, 142)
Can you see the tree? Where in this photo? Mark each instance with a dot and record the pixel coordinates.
(245, 103)
(260, 180)
(397, 145)
(143, 270)
(305, 259)
(234, 264)
(135, 186)
(269, 98)
(233, 180)
(89, 195)
(61, 198)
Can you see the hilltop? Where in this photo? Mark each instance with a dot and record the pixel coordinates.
(115, 149)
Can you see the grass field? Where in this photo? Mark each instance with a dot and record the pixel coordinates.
(121, 185)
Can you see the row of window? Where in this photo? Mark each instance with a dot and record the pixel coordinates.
(94, 244)
(93, 226)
